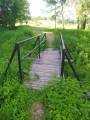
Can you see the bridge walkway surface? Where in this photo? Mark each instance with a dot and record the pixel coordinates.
(43, 68)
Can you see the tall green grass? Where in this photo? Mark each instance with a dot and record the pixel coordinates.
(78, 44)
(15, 99)
(64, 98)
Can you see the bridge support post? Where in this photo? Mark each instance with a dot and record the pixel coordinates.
(71, 66)
(14, 51)
(39, 46)
(62, 67)
(19, 62)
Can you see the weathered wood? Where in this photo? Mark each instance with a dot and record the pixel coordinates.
(87, 95)
(43, 68)
(67, 60)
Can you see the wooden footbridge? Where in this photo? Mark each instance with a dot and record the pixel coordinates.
(43, 68)
(46, 63)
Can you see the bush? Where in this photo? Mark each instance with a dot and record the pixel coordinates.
(78, 44)
(64, 101)
(15, 99)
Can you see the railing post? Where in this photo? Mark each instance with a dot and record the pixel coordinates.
(68, 51)
(39, 46)
(45, 40)
(62, 67)
(71, 66)
(11, 59)
(19, 62)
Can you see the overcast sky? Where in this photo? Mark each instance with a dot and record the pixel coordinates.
(37, 8)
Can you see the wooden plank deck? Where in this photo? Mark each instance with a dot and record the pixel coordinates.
(43, 68)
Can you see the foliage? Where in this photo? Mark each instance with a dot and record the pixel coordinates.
(16, 99)
(78, 44)
(63, 98)
(12, 10)
(82, 12)
(64, 101)
(56, 6)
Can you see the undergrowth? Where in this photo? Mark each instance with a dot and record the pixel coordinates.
(64, 101)
(78, 43)
(63, 98)
(16, 99)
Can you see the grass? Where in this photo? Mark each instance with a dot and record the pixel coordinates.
(78, 44)
(15, 99)
(63, 99)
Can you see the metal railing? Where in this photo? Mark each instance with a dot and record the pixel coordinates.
(17, 48)
(64, 52)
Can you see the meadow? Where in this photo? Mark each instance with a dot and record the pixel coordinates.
(63, 98)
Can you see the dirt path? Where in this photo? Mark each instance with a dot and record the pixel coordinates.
(50, 38)
(38, 110)
(49, 35)
(49, 59)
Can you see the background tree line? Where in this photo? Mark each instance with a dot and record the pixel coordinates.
(12, 11)
(82, 8)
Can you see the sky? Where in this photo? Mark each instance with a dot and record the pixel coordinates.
(37, 8)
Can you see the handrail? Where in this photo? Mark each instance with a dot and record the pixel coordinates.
(31, 51)
(16, 48)
(64, 52)
(30, 38)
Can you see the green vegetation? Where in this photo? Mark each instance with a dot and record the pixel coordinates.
(64, 101)
(8, 39)
(12, 11)
(15, 99)
(63, 98)
(82, 12)
(78, 44)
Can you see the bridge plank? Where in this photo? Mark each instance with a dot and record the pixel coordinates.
(43, 68)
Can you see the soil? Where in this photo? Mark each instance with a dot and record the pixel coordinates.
(38, 110)
(50, 38)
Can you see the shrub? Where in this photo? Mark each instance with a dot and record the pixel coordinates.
(64, 101)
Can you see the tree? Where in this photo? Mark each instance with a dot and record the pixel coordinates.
(13, 10)
(4, 5)
(62, 10)
(52, 4)
(82, 11)
(57, 6)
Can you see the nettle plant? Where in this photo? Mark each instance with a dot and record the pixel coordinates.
(64, 99)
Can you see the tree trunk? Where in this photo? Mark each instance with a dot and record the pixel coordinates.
(84, 23)
(63, 21)
(62, 18)
(12, 24)
(55, 22)
(55, 17)
(78, 25)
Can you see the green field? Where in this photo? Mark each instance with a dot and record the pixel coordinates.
(63, 100)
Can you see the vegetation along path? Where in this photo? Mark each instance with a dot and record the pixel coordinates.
(44, 67)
